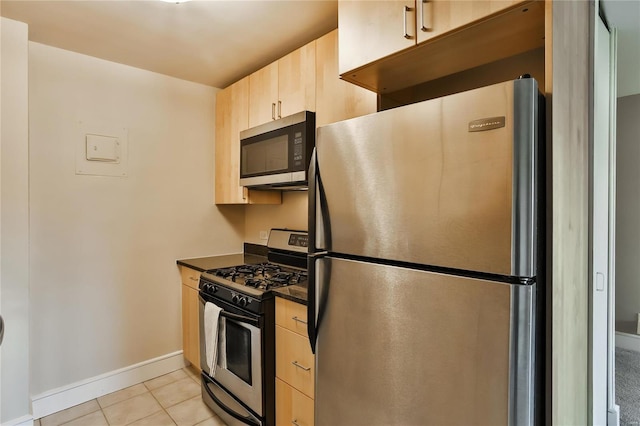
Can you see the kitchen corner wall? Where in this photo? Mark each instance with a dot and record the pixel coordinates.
(628, 214)
(14, 221)
(292, 214)
(105, 289)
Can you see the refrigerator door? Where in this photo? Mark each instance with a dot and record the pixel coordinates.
(400, 346)
(447, 182)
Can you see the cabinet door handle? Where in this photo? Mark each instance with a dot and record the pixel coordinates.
(406, 10)
(296, 319)
(294, 422)
(273, 110)
(301, 366)
(279, 109)
(422, 6)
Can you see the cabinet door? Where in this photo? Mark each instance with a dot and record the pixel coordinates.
(292, 406)
(337, 100)
(436, 17)
(190, 326)
(371, 30)
(263, 95)
(232, 116)
(297, 81)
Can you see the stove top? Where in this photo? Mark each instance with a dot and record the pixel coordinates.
(263, 276)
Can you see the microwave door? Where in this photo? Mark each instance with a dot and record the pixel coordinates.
(276, 155)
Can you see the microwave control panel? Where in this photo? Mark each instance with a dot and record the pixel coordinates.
(298, 150)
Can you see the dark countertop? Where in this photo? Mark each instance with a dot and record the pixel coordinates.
(295, 293)
(202, 264)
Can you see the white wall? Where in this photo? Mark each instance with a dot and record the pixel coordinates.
(628, 214)
(105, 289)
(14, 265)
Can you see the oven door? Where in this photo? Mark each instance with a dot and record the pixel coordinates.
(239, 364)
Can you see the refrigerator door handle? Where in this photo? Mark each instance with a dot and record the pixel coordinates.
(312, 330)
(319, 225)
(312, 203)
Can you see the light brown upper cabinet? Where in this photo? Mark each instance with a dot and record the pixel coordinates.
(387, 45)
(371, 30)
(232, 116)
(283, 87)
(336, 99)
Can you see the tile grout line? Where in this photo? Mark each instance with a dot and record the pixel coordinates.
(75, 418)
(186, 370)
(161, 407)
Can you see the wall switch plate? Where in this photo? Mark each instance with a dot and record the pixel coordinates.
(264, 235)
(102, 148)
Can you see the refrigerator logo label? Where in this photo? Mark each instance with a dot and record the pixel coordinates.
(486, 124)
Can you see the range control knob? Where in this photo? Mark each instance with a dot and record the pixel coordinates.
(209, 288)
(243, 301)
(235, 299)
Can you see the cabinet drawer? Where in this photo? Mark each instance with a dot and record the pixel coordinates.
(190, 277)
(292, 316)
(292, 406)
(295, 363)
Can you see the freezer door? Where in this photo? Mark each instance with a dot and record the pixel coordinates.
(434, 183)
(399, 346)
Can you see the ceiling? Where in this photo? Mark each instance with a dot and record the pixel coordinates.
(213, 42)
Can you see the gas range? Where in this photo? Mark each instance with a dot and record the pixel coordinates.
(247, 285)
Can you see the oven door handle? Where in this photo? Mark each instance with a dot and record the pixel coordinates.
(227, 410)
(253, 321)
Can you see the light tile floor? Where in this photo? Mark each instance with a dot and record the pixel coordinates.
(169, 400)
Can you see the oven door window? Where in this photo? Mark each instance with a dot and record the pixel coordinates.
(238, 351)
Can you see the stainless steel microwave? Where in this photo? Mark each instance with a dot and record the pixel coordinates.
(277, 154)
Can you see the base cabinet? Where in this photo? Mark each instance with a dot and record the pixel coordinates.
(190, 321)
(295, 366)
(292, 406)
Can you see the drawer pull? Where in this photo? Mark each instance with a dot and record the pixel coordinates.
(301, 366)
(295, 422)
(296, 319)
(193, 278)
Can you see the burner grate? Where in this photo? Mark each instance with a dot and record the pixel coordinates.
(262, 276)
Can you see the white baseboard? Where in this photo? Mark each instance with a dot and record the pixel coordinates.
(628, 341)
(86, 390)
(20, 421)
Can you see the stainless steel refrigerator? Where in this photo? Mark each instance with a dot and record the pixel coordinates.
(426, 228)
